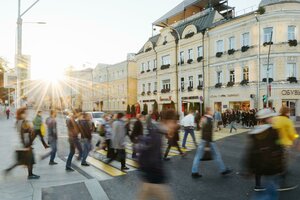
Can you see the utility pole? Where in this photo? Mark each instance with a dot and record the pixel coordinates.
(268, 70)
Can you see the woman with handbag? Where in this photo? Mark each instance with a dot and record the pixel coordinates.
(25, 155)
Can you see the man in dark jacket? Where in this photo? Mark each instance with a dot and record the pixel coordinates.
(137, 131)
(86, 128)
(207, 139)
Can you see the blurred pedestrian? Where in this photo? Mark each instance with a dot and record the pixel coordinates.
(137, 132)
(265, 156)
(25, 156)
(37, 126)
(232, 121)
(118, 141)
(188, 123)
(207, 140)
(151, 166)
(288, 136)
(218, 120)
(73, 132)
(52, 137)
(86, 128)
(7, 113)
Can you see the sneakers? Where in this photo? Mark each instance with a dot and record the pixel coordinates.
(53, 163)
(124, 168)
(69, 169)
(227, 171)
(196, 175)
(33, 176)
(85, 164)
(259, 189)
(283, 188)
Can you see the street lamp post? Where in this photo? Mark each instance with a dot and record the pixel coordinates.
(268, 70)
(19, 46)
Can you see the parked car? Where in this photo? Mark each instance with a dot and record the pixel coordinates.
(97, 118)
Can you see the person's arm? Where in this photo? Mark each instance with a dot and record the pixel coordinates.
(292, 134)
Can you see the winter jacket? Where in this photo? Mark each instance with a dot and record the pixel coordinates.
(286, 129)
(51, 127)
(86, 129)
(118, 134)
(207, 128)
(137, 131)
(37, 122)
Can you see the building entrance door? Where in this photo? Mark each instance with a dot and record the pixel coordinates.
(292, 105)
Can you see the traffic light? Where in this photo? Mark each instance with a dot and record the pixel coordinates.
(265, 101)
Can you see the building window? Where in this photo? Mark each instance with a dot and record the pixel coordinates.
(155, 86)
(231, 43)
(149, 65)
(149, 86)
(165, 38)
(166, 60)
(200, 51)
(246, 39)
(267, 34)
(144, 88)
(191, 81)
(246, 73)
(181, 57)
(190, 54)
(166, 84)
(291, 70)
(155, 63)
(200, 80)
(219, 76)
(182, 83)
(143, 67)
(232, 76)
(265, 69)
(220, 46)
(291, 32)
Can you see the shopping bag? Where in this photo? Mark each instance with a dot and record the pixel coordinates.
(43, 130)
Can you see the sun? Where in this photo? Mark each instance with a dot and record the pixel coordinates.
(54, 78)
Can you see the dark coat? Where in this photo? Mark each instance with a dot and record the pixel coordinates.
(207, 129)
(173, 140)
(137, 131)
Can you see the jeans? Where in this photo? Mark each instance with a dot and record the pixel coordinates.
(87, 146)
(232, 126)
(188, 131)
(53, 145)
(271, 185)
(215, 154)
(74, 143)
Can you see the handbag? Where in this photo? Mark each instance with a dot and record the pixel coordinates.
(43, 130)
(207, 153)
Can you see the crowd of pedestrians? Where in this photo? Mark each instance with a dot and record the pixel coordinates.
(270, 142)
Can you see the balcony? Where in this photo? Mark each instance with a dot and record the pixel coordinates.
(163, 67)
(164, 91)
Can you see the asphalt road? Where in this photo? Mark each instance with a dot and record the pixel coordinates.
(212, 186)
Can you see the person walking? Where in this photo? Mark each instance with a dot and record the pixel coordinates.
(25, 156)
(118, 141)
(207, 140)
(73, 132)
(188, 122)
(37, 126)
(264, 156)
(287, 137)
(86, 128)
(7, 113)
(52, 137)
(218, 120)
(232, 121)
(151, 166)
(137, 132)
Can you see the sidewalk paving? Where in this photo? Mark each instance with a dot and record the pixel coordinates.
(55, 182)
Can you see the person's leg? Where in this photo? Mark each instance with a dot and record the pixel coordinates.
(217, 157)
(30, 167)
(122, 155)
(53, 145)
(71, 154)
(85, 151)
(11, 167)
(192, 132)
(39, 133)
(186, 132)
(257, 180)
(167, 151)
(178, 148)
(79, 147)
(198, 156)
(231, 126)
(109, 149)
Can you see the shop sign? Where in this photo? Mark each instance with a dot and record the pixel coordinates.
(225, 106)
(166, 99)
(290, 92)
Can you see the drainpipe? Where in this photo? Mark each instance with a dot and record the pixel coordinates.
(203, 73)
(207, 66)
(156, 77)
(258, 62)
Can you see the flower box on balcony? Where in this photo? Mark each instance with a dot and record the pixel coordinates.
(148, 70)
(231, 51)
(200, 87)
(244, 82)
(149, 93)
(163, 91)
(230, 84)
(142, 72)
(218, 85)
(165, 42)
(189, 61)
(199, 59)
(292, 79)
(219, 54)
(165, 67)
(143, 93)
(189, 35)
(265, 80)
(155, 92)
(293, 43)
(154, 69)
(190, 89)
(267, 43)
(148, 49)
(245, 48)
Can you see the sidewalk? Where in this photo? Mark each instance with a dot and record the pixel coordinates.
(55, 182)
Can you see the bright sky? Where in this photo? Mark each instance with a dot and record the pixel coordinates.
(82, 31)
